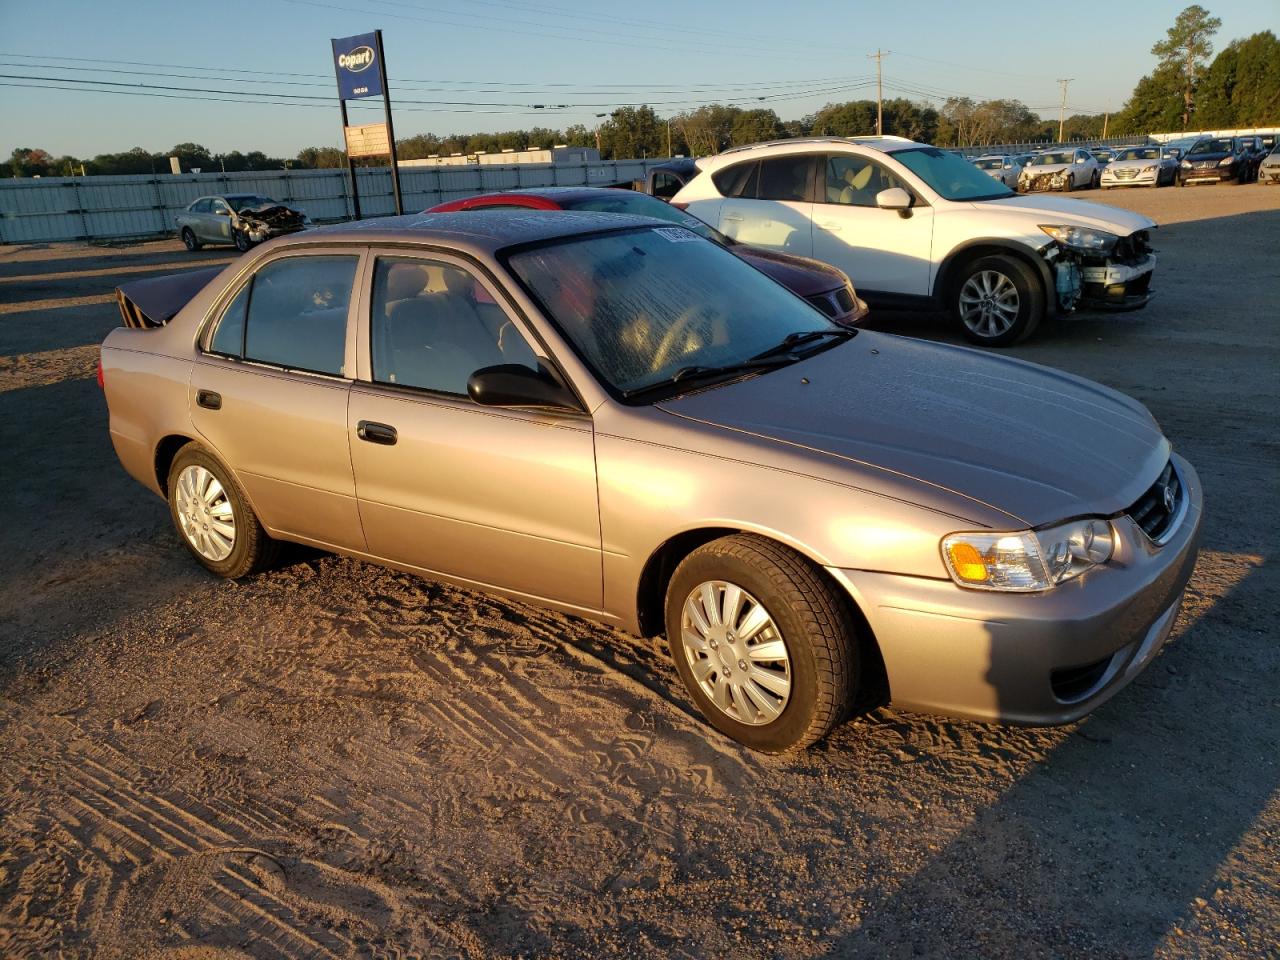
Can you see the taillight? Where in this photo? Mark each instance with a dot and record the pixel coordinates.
(102, 383)
(680, 206)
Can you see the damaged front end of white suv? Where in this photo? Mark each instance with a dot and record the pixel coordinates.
(1098, 269)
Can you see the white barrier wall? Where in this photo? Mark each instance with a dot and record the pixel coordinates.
(104, 208)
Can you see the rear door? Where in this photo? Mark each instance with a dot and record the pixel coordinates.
(769, 203)
(498, 497)
(269, 394)
(881, 250)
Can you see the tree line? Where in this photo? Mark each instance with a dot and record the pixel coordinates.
(1240, 87)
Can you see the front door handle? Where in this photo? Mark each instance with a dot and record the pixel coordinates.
(830, 227)
(372, 432)
(209, 399)
(732, 218)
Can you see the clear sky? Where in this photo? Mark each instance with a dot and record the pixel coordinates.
(493, 59)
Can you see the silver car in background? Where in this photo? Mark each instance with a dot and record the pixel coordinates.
(1063, 169)
(1149, 166)
(240, 219)
(1000, 167)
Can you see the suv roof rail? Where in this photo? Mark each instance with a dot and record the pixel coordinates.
(801, 140)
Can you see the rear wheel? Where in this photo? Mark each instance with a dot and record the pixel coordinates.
(213, 517)
(764, 643)
(998, 300)
(189, 240)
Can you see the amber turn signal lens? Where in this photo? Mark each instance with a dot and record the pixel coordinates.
(967, 562)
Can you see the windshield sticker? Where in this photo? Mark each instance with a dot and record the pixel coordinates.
(676, 234)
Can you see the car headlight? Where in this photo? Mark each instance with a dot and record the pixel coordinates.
(1081, 238)
(1226, 161)
(1186, 164)
(1028, 561)
(1150, 169)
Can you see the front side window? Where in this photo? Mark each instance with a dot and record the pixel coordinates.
(855, 181)
(293, 314)
(218, 206)
(655, 306)
(951, 177)
(433, 325)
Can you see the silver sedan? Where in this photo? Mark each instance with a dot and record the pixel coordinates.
(240, 219)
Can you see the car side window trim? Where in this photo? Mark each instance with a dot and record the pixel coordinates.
(483, 273)
(208, 329)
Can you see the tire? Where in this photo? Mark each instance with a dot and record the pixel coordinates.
(1095, 180)
(1070, 184)
(190, 241)
(808, 622)
(993, 327)
(250, 549)
(242, 241)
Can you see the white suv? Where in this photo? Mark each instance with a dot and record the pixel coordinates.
(916, 227)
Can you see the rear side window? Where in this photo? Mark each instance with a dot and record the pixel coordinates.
(785, 178)
(738, 181)
(293, 313)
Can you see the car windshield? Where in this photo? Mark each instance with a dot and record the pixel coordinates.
(655, 307)
(1221, 145)
(989, 163)
(953, 177)
(1044, 159)
(248, 202)
(628, 201)
(1139, 153)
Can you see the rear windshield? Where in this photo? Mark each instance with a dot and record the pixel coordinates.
(628, 201)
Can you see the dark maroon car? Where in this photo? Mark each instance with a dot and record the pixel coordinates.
(824, 286)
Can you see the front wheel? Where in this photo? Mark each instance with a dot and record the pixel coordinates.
(998, 301)
(243, 243)
(189, 240)
(213, 517)
(764, 643)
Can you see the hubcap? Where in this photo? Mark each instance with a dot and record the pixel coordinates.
(736, 652)
(205, 513)
(989, 303)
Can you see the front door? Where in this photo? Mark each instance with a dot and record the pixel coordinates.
(269, 394)
(881, 250)
(502, 498)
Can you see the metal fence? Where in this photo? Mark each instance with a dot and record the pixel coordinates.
(107, 208)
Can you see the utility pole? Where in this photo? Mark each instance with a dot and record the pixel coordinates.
(878, 57)
(1062, 111)
(1105, 118)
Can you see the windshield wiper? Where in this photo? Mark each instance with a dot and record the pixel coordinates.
(700, 371)
(793, 340)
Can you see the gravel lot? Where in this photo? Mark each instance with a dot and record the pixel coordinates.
(334, 760)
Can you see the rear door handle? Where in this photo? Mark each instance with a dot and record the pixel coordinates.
(209, 399)
(372, 432)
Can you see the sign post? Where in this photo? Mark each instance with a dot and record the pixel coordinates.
(360, 69)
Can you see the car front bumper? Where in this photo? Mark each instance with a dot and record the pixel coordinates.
(1036, 183)
(1034, 658)
(1209, 174)
(1269, 174)
(1117, 286)
(1137, 180)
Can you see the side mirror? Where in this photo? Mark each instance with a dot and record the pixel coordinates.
(223, 212)
(515, 385)
(895, 198)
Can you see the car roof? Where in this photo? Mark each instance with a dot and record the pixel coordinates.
(884, 144)
(477, 231)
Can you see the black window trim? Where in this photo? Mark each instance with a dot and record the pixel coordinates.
(209, 326)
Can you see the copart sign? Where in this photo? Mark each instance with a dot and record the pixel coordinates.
(356, 61)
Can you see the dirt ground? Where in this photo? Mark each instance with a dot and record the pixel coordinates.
(334, 760)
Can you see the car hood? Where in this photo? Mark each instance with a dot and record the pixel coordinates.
(1037, 444)
(1070, 210)
(798, 274)
(1037, 169)
(1133, 164)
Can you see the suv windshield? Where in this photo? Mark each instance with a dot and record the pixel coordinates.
(953, 177)
(1221, 145)
(1139, 153)
(242, 202)
(1045, 159)
(654, 307)
(628, 201)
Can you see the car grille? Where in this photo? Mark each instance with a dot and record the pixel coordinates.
(834, 303)
(1158, 508)
(1126, 173)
